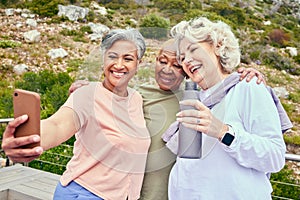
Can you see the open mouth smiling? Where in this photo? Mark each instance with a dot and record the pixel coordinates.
(118, 74)
(166, 79)
(194, 68)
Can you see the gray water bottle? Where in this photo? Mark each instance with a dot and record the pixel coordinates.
(189, 140)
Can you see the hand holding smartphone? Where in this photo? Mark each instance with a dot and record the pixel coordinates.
(27, 102)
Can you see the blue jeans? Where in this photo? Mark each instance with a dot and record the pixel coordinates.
(73, 191)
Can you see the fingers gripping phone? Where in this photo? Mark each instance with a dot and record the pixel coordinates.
(27, 102)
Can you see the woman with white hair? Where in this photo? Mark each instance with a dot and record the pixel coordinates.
(241, 129)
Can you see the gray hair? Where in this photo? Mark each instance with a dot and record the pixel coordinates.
(218, 34)
(132, 35)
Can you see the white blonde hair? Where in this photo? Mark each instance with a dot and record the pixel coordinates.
(217, 33)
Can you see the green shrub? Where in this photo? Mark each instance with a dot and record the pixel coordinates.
(195, 4)
(289, 25)
(57, 19)
(193, 13)
(67, 32)
(154, 26)
(285, 175)
(9, 44)
(122, 5)
(295, 139)
(6, 106)
(292, 112)
(53, 88)
(91, 16)
(297, 58)
(277, 61)
(10, 3)
(232, 13)
(295, 96)
(55, 98)
(44, 8)
(107, 20)
(4, 69)
(74, 64)
(77, 35)
(172, 5)
(254, 23)
(86, 29)
(54, 160)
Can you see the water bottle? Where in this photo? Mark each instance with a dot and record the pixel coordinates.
(189, 140)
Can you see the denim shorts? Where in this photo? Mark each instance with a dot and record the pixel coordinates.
(73, 191)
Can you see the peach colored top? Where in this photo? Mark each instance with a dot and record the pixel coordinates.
(111, 146)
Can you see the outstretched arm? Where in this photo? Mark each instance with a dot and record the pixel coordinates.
(59, 127)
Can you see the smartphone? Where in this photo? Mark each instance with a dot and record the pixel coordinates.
(27, 102)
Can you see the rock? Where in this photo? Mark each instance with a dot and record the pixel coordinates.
(19, 10)
(98, 9)
(25, 15)
(32, 36)
(20, 69)
(267, 23)
(57, 53)
(134, 21)
(19, 25)
(281, 92)
(72, 12)
(98, 31)
(9, 11)
(98, 28)
(31, 22)
(95, 36)
(292, 51)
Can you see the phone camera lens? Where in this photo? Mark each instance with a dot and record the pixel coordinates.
(16, 94)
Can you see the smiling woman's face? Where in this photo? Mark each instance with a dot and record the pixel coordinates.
(168, 73)
(200, 63)
(120, 65)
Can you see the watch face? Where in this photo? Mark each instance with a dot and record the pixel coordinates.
(227, 139)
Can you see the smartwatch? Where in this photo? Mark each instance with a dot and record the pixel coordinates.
(228, 137)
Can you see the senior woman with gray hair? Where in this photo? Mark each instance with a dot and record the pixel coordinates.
(241, 130)
(107, 119)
